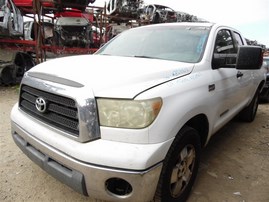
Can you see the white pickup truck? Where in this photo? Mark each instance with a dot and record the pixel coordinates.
(128, 123)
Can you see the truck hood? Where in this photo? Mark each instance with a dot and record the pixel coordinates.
(110, 76)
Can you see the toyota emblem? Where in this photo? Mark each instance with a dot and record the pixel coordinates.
(40, 104)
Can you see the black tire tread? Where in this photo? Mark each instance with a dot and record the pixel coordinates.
(177, 141)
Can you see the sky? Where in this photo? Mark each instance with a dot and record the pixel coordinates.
(250, 17)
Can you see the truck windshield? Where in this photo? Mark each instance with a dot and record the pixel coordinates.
(177, 43)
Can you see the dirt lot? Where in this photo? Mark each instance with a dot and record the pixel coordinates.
(234, 167)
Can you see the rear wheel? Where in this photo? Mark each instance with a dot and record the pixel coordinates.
(180, 167)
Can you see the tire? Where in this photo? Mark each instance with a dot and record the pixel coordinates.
(8, 76)
(180, 167)
(249, 113)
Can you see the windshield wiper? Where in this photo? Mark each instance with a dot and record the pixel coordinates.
(144, 56)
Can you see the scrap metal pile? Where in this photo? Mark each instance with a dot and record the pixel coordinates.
(67, 27)
(51, 25)
(121, 10)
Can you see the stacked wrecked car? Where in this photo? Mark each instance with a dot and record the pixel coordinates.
(11, 20)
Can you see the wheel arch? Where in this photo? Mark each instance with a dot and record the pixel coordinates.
(201, 125)
(260, 87)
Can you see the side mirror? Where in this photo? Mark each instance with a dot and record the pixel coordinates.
(249, 57)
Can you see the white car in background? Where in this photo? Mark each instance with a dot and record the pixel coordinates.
(29, 32)
(122, 8)
(11, 20)
(158, 14)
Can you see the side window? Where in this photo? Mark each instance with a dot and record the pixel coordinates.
(238, 39)
(225, 49)
(224, 42)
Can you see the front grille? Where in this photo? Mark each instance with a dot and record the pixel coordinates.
(61, 112)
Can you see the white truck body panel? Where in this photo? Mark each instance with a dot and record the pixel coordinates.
(124, 79)
(187, 90)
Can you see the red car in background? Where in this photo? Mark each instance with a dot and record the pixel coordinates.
(71, 12)
(78, 4)
(29, 3)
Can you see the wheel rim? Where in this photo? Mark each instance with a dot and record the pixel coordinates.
(182, 171)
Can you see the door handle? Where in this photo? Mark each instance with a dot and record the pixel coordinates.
(239, 74)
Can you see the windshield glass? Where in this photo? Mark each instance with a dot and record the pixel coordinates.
(177, 43)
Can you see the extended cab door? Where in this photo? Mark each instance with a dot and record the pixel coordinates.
(245, 77)
(231, 85)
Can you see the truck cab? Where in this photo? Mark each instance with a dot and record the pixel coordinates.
(129, 122)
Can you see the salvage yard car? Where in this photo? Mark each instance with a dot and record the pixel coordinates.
(72, 32)
(158, 14)
(122, 8)
(29, 31)
(11, 20)
(129, 122)
(13, 64)
(79, 4)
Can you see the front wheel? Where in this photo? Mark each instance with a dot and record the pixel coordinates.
(180, 167)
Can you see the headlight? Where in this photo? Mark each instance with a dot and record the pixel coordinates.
(128, 113)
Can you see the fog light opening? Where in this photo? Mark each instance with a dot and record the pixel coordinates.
(118, 187)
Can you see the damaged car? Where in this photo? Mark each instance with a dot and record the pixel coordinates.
(185, 17)
(60, 4)
(13, 65)
(11, 20)
(123, 8)
(158, 14)
(72, 32)
(29, 31)
(78, 4)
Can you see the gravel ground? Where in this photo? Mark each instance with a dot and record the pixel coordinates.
(234, 167)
